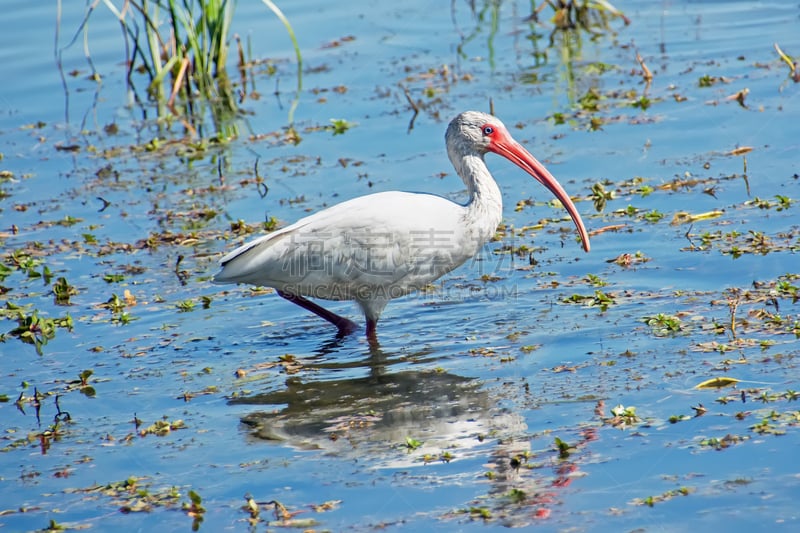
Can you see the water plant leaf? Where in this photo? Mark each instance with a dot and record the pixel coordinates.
(741, 150)
(62, 291)
(563, 448)
(339, 126)
(717, 383)
(412, 443)
(682, 217)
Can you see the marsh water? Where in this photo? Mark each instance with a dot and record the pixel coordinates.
(536, 386)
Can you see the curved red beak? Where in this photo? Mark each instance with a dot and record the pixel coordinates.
(517, 154)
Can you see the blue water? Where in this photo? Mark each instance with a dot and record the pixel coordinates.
(484, 371)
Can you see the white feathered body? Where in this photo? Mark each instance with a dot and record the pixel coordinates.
(369, 249)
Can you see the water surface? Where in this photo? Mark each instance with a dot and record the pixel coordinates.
(451, 424)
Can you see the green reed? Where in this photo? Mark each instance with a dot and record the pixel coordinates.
(182, 47)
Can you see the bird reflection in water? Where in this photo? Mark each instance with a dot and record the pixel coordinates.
(374, 406)
(368, 416)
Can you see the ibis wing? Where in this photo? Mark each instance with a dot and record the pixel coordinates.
(369, 243)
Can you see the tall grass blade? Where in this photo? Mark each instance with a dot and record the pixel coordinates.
(182, 47)
(278, 13)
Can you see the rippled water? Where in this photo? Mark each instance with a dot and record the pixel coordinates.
(451, 423)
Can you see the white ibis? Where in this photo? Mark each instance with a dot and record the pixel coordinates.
(374, 248)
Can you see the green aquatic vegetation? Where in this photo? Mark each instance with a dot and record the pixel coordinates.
(55, 526)
(186, 305)
(5, 271)
(781, 203)
(118, 307)
(182, 48)
(522, 250)
(674, 419)
(794, 71)
(600, 196)
(588, 15)
(683, 217)
(162, 428)
(727, 441)
(737, 244)
(46, 275)
(597, 67)
(717, 383)
(564, 449)
(240, 227)
(115, 304)
(558, 118)
(22, 261)
(480, 512)
(32, 328)
(663, 324)
(787, 289)
(624, 415)
(516, 495)
(653, 216)
(194, 508)
(339, 126)
(595, 280)
(650, 501)
(132, 495)
(122, 318)
(412, 443)
(63, 291)
(642, 103)
(82, 384)
(707, 81)
(767, 427)
(68, 221)
(629, 211)
(628, 259)
(599, 299)
(590, 101)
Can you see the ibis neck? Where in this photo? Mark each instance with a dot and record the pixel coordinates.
(485, 206)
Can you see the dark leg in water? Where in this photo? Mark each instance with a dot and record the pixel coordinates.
(346, 326)
(372, 331)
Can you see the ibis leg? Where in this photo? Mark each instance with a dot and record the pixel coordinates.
(346, 326)
(372, 333)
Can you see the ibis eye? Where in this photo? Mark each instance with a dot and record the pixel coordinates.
(488, 130)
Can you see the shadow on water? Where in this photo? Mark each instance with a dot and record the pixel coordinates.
(376, 406)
